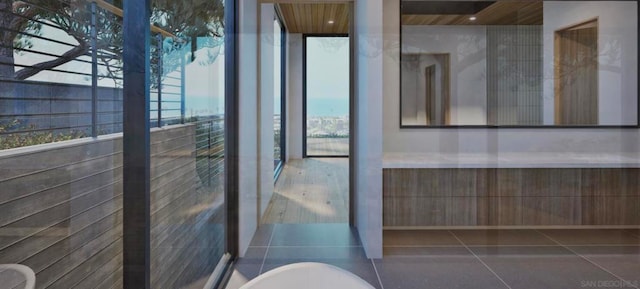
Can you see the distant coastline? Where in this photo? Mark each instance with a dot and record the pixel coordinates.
(326, 107)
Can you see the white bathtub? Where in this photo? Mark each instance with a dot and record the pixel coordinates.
(14, 275)
(307, 276)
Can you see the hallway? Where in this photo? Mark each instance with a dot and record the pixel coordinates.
(311, 190)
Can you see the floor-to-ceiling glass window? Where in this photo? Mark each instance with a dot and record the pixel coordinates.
(279, 116)
(326, 95)
(61, 143)
(187, 111)
(63, 77)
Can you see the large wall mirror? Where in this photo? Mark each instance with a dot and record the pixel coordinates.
(519, 63)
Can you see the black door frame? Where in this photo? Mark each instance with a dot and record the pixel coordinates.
(137, 150)
(283, 94)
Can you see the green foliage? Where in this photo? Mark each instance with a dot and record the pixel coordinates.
(23, 41)
(22, 139)
(186, 19)
(189, 18)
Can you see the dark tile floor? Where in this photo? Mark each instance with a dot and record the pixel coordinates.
(515, 259)
(275, 245)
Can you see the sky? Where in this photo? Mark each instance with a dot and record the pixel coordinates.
(327, 76)
(204, 76)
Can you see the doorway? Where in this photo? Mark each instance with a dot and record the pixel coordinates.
(314, 184)
(576, 65)
(326, 95)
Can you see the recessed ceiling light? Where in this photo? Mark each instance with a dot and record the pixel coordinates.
(472, 18)
(330, 22)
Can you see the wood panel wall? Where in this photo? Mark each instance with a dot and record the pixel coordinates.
(498, 13)
(313, 18)
(187, 217)
(61, 212)
(511, 197)
(514, 75)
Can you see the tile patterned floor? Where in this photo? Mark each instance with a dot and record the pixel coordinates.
(276, 245)
(512, 259)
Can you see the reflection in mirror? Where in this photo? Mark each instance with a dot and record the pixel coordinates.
(426, 95)
(576, 51)
(519, 63)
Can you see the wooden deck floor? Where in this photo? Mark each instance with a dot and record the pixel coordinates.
(328, 146)
(311, 190)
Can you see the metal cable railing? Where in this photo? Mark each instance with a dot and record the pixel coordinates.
(81, 94)
(210, 150)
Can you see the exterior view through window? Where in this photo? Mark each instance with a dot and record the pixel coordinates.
(327, 96)
(62, 121)
(278, 95)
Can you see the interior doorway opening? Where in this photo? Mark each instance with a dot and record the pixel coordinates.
(312, 175)
(576, 65)
(326, 95)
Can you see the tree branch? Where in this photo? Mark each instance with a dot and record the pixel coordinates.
(70, 55)
(16, 23)
(18, 4)
(27, 14)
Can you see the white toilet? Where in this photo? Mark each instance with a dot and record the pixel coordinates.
(307, 276)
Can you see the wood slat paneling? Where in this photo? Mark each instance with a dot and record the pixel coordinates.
(311, 190)
(61, 212)
(511, 197)
(186, 215)
(514, 75)
(313, 18)
(499, 13)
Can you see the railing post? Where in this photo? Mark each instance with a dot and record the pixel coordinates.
(159, 80)
(182, 87)
(210, 127)
(94, 70)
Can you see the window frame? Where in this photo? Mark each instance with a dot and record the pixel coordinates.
(304, 93)
(283, 95)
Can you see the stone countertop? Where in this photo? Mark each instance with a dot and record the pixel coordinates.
(511, 160)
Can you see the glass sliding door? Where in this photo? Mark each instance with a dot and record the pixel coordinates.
(113, 142)
(187, 142)
(61, 149)
(279, 93)
(326, 96)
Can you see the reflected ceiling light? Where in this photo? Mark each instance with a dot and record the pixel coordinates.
(472, 18)
(330, 22)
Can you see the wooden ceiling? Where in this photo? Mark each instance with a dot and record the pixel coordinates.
(498, 13)
(315, 17)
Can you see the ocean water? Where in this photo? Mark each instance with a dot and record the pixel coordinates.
(327, 107)
(316, 107)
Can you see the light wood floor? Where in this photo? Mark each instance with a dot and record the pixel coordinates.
(328, 146)
(311, 190)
